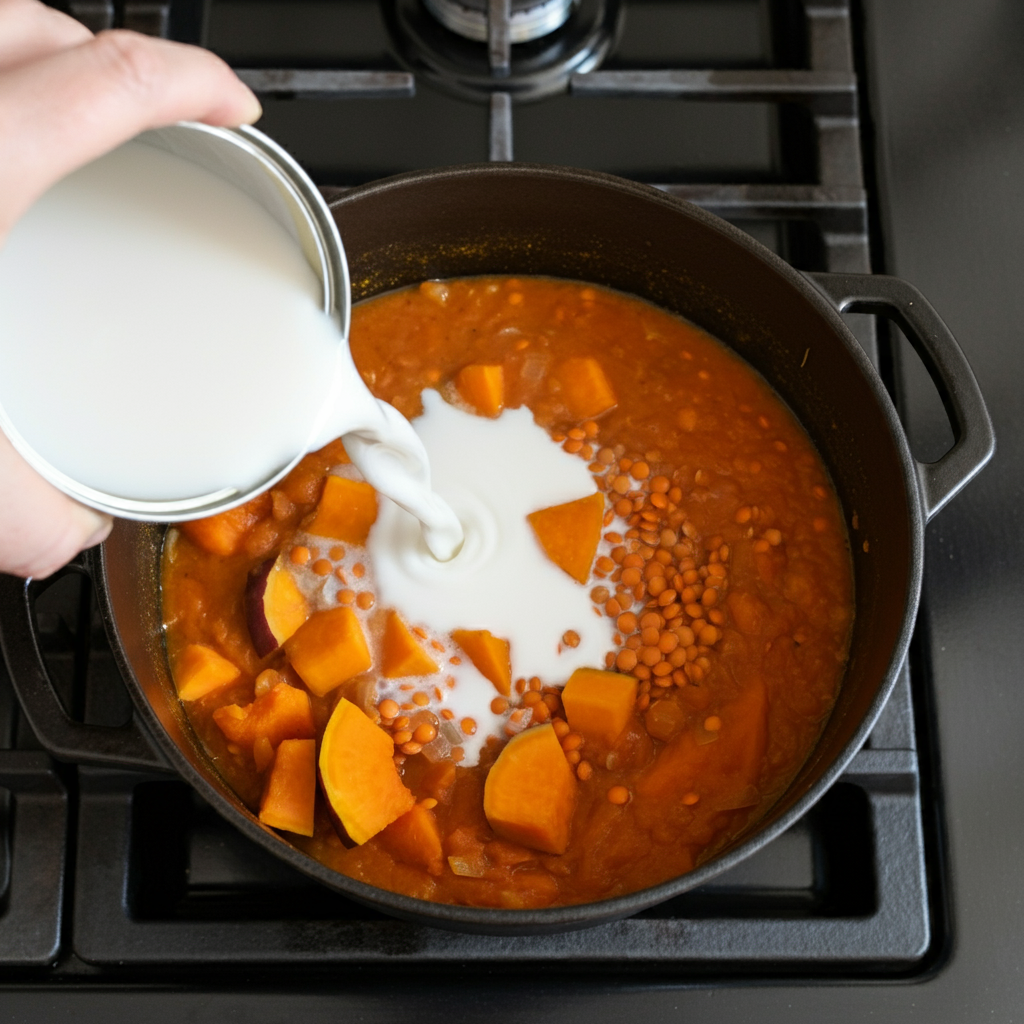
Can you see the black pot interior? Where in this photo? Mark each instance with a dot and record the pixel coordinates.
(498, 219)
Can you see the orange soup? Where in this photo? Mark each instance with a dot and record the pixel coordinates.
(712, 543)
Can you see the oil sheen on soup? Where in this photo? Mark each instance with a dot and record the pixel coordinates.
(622, 698)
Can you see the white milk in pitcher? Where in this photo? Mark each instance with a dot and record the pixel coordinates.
(161, 335)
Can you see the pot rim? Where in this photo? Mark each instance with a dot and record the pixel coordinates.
(486, 920)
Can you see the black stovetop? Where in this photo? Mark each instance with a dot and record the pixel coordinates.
(894, 146)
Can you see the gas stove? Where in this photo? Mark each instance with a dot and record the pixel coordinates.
(124, 885)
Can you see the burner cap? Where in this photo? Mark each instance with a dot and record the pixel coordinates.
(530, 19)
(458, 62)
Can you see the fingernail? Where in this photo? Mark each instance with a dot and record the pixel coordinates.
(255, 110)
(97, 524)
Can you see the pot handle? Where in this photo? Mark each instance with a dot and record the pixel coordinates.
(122, 746)
(974, 438)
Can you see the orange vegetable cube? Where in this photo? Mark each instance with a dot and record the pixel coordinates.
(347, 510)
(333, 453)
(415, 839)
(328, 650)
(284, 713)
(569, 533)
(358, 774)
(223, 533)
(490, 654)
(304, 483)
(438, 780)
(483, 387)
(599, 704)
(274, 606)
(585, 389)
(749, 612)
(530, 792)
(401, 655)
(722, 769)
(199, 670)
(290, 792)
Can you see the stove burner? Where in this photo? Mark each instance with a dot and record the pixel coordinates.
(528, 19)
(531, 52)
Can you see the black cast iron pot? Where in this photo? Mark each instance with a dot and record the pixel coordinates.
(521, 219)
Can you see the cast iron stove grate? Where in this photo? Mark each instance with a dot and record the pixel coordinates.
(747, 108)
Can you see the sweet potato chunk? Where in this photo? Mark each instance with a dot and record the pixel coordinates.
(720, 770)
(358, 775)
(284, 713)
(490, 654)
(483, 387)
(530, 792)
(749, 612)
(585, 389)
(290, 792)
(333, 453)
(347, 510)
(415, 839)
(329, 649)
(223, 533)
(199, 670)
(438, 779)
(569, 533)
(401, 655)
(599, 704)
(274, 606)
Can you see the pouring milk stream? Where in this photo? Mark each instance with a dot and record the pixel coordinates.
(163, 339)
(173, 339)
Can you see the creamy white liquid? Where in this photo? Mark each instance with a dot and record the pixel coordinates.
(493, 473)
(162, 338)
(160, 334)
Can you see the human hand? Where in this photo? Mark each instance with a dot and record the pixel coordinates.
(67, 97)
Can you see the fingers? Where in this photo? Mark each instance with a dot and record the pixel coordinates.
(30, 30)
(72, 106)
(40, 528)
(67, 97)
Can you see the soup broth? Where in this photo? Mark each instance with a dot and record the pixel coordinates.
(705, 536)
